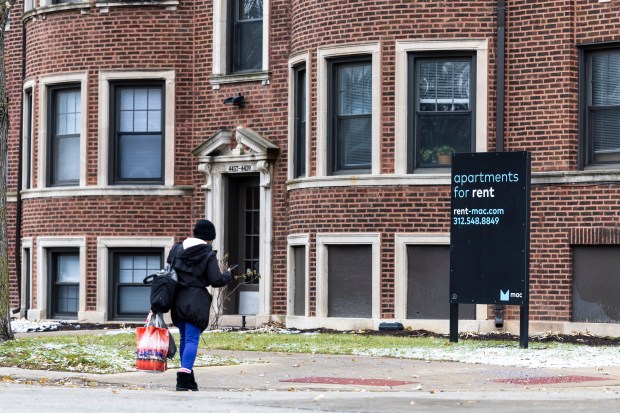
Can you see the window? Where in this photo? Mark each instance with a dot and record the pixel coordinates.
(64, 281)
(595, 284)
(300, 114)
(602, 123)
(350, 281)
(137, 137)
(27, 140)
(129, 297)
(64, 138)
(428, 284)
(442, 103)
(350, 116)
(240, 41)
(246, 26)
(26, 281)
(348, 276)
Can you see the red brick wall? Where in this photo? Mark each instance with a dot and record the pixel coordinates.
(541, 113)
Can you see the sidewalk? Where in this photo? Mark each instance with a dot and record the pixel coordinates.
(307, 372)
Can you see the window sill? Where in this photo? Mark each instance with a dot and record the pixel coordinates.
(217, 80)
(53, 8)
(103, 6)
(602, 167)
(442, 176)
(117, 190)
(369, 180)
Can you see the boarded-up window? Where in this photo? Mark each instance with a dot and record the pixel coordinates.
(299, 303)
(349, 281)
(428, 284)
(596, 284)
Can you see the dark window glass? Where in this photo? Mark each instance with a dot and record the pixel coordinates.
(137, 154)
(350, 114)
(28, 277)
(64, 137)
(251, 235)
(300, 121)
(246, 52)
(441, 120)
(603, 111)
(130, 297)
(299, 303)
(349, 281)
(28, 139)
(428, 284)
(64, 267)
(596, 283)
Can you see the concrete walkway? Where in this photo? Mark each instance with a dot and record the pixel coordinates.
(306, 372)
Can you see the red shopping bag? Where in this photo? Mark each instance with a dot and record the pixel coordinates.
(152, 345)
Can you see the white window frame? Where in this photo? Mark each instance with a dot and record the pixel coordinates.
(27, 158)
(44, 244)
(294, 62)
(323, 56)
(220, 46)
(105, 78)
(403, 48)
(323, 241)
(46, 82)
(297, 240)
(104, 244)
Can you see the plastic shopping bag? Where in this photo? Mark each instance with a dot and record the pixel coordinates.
(152, 344)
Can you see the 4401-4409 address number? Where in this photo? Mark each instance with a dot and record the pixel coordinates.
(475, 220)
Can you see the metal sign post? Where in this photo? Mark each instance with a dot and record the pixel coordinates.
(490, 233)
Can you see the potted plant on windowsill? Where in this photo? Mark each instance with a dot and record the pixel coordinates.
(444, 154)
(428, 156)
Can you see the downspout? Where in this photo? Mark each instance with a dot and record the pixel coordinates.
(501, 71)
(18, 204)
(499, 309)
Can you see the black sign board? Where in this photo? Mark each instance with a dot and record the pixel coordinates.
(489, 237)
(490, 233)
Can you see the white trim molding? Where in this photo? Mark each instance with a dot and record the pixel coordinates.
(403, 48)
(104, 244)
(323, 241)
(105, 77)
(46, 82)
(253, 154)
(324, 54)
(297, 240)
(43, 245)
(292, 63)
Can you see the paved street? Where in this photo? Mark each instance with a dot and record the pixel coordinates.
(278, 382)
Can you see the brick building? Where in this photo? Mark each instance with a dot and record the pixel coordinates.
(310, 133)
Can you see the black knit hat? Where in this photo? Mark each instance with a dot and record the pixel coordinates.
(205, 230)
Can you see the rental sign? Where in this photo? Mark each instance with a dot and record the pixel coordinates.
(489, 236)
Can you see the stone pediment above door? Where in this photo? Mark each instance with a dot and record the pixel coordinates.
(234, 146)
(238, 151)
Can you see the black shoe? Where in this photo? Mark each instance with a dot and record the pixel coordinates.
(194, 385)
(186, 382)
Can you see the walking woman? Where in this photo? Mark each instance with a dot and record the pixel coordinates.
(197, 268)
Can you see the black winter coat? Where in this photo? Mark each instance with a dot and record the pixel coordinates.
(197, 268)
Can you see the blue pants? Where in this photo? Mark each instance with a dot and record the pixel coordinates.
(188, 345)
